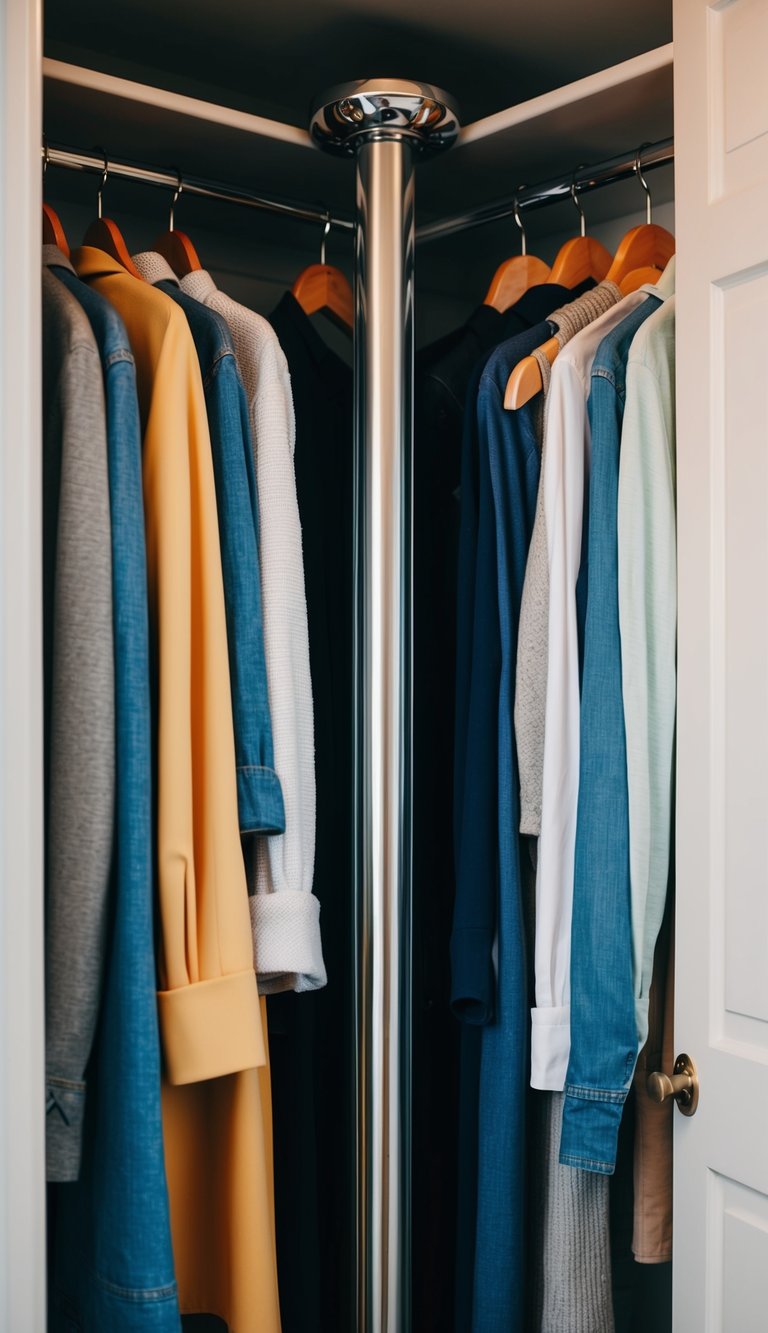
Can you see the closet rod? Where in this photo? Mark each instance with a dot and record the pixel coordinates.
(204, 189)
(550, 192)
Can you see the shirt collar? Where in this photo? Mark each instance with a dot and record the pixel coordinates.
(53, 257)
(289, 310)
(665, 287)
(199, 284)
(154, 267)
(90, 262)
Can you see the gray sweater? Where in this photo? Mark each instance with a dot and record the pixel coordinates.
(79, 710)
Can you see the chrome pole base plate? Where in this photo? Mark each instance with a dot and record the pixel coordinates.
(355, 113)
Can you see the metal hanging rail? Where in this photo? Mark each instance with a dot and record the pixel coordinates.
(203, 189)
(582, 180)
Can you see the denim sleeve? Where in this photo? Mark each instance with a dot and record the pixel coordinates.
(603, 1032)
(259, 794)
(474, 918)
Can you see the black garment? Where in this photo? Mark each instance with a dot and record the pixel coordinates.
(445, 1097)
(310, 1036)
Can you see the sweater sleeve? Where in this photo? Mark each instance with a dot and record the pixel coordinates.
(532, 658)
(285, 914)
(208, 1002)
(81, 743)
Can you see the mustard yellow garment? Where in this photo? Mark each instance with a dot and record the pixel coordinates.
(216, 1104)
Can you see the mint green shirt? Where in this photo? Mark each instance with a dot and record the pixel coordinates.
(648, 622)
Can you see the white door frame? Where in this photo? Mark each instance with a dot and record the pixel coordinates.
(22, 1080)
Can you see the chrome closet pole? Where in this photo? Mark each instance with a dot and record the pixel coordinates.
(385, 124)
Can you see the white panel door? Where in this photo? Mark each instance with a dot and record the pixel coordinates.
(721, 1153)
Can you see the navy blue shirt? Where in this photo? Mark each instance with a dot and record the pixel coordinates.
(478, 667)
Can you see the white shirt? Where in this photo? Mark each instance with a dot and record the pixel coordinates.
(285, 915)
(566, 472)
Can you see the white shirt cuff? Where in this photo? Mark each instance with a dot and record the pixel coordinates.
(550, 1048)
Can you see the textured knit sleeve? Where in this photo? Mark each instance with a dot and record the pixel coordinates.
(208, 1000)
(81, 718)
(285, 914)
(532, 659)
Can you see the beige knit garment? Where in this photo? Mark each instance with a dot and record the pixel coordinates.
(570, 1241)
(532, 641)
(285, 914)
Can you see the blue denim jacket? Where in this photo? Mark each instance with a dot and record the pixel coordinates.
(113, 1262)
(603, 1030)
(259, 794)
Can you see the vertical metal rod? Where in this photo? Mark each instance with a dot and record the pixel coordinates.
(384, 373)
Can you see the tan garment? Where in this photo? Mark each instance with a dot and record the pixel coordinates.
(216, 1121)
(652, 1238)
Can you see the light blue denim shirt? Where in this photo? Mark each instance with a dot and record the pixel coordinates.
(112, 1259)
(259, 794)
(603, 1030)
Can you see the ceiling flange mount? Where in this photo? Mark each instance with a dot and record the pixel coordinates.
(354, 113)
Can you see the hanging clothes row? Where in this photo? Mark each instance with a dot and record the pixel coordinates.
(182, 653)
(551, 416)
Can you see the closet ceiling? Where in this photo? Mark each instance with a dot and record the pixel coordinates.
(271, 57)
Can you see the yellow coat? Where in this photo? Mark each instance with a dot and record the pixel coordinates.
(216, 1109)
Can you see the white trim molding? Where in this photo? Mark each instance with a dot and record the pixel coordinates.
(22, 1034)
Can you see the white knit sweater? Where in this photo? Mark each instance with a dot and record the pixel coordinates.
(285, 915)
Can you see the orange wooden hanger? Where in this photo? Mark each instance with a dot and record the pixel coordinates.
(645, 251)
(104, 234)
(175, 246)
(53, 232)
(582, 257)
(324, 288)
(515, 276)
(640, 259)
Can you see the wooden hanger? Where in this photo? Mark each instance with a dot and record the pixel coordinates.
(525, 381)
(582, 257)
(639, 277)
(644, 248)
(515, 276)
(324, 288)
(104, 234)
(53, 232)
(175, 246)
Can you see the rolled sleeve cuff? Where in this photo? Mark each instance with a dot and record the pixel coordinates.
(260, 800)
(211, 1028)
(591, 1120)
(473, 979)
(550, 1047)
(64, 1112)
(287, 946)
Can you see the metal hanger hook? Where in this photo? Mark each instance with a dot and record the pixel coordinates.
(45, 155)
(578, 206)
(326, 233)
(176, 198)
(519, 225)
(104, 175)
(643, 182)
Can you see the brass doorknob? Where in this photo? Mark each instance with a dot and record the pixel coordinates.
(682, 1085)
